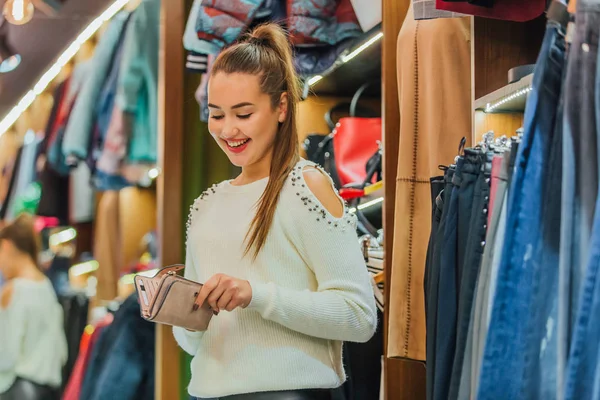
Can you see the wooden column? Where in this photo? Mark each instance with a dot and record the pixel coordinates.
(169, 185)
(404, 379)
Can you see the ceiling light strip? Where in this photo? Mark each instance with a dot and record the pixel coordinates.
(60, 62)
(345, 58)
(362, 47)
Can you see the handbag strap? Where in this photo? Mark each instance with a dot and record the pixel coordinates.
(355, 99)
(340, 107)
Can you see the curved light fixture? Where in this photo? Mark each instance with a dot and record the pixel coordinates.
(9, 58)
(60, 62)
(18, 12)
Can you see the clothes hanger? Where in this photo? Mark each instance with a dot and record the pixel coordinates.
(461, 152)
(379, 277)
(487, 141)
(501, 144)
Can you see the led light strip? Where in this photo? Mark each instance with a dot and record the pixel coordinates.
(366, 205)
(491, 107)
(60, 62)
(84, 268)
(63, 236)
(362, 47)
(312, 81)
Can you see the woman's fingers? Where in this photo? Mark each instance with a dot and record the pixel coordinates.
(215, 295)
(224, 292)
(234, 303)
(224, 300)
(208, 287)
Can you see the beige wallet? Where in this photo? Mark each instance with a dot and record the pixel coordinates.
(167, 298)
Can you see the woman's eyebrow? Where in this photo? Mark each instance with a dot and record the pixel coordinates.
(239, 105)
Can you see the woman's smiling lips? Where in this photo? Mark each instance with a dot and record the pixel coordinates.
(237, 146)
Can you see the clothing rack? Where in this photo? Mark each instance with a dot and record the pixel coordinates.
(511, 44)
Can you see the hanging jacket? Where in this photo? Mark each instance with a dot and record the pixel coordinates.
(221, 22)
(315, 60)
(321, 22)
(137, 92)
(81, 122)
(106, 99)
(191, 42)
(199, 44)
(121, 364)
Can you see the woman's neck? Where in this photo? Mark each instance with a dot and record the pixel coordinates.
(254, 172)
(26, 269)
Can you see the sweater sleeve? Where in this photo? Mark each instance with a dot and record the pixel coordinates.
(189, 341)
(343, 305)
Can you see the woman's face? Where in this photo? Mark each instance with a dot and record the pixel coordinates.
(242, 119)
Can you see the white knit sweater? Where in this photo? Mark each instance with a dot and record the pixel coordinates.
(311, 291)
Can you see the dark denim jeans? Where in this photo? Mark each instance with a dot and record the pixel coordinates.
(470, 269)
(466, 198)
(433, 277)
(510, 349)
(485, 282)
(445, 281)
(582, 231)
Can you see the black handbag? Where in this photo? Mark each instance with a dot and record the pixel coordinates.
(23, 389)
(370, 219)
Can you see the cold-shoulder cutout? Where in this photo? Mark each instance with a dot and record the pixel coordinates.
(312, 187)
(322, 188)
(6, 294)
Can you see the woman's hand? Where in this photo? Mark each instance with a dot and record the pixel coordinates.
(224, 292)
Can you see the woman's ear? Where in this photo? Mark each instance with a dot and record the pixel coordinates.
(283, 107)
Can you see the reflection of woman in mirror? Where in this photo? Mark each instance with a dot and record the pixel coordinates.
(33, 347)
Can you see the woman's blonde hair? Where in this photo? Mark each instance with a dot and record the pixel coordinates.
(266, 52)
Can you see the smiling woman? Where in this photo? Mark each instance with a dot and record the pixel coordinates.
(250, 125)
(275, 248)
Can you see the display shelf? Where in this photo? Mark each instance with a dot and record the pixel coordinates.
(359, 63)
(509, 99)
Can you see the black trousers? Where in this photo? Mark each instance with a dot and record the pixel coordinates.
(23, 389)
(308, 394)
(466, 197)
(440, 206)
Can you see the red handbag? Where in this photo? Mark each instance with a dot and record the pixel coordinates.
(355, 140)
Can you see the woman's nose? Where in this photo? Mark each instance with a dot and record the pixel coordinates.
(229, 130)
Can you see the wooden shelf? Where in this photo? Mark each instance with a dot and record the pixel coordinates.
(509, 99)
(359, 63)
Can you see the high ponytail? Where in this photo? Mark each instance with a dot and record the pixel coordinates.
(266, 52)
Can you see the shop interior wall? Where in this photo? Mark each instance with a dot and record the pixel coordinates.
(497, 47)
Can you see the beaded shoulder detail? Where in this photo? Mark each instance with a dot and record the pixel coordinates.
(314, 207)
(196, 206)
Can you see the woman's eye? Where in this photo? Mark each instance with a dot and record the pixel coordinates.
(217, 117)
(244, 116)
